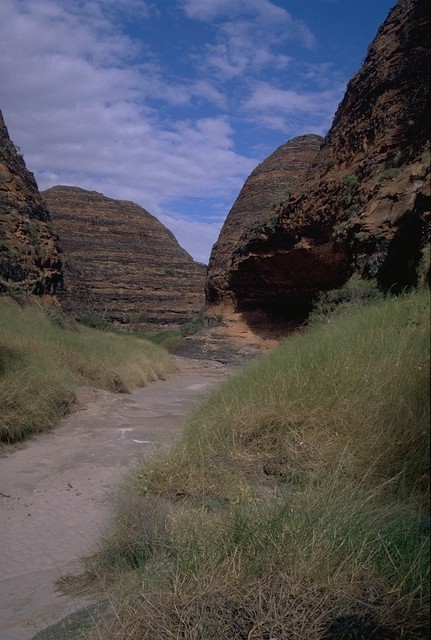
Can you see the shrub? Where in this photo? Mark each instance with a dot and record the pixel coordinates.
(388, 174)
(355, 291)
(192, 327)
(95, 321)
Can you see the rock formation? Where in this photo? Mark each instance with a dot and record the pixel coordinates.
(265, 189)
(121, 263)
(364, 203)
(30, 260)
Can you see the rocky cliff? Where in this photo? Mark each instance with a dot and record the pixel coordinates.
(30, 259)
(364, 204)
(121, 263)
(265, 189)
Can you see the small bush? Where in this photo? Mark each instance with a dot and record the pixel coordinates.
(192, 327)
(355, 292)
(350, 182)
(95, 321)
(388, 174)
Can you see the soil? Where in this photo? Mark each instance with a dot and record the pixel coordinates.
(56, 491)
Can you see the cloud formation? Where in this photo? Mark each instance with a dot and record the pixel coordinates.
(96, 100)
(248, 34)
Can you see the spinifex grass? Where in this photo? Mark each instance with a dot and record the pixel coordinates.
(298, 495)
(42, 364)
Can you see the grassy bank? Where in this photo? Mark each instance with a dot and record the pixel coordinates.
(295, 505)
(42, 363)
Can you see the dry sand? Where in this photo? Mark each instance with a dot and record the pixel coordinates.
(56, 490)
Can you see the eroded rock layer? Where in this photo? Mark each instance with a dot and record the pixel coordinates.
(269, 184)
(30, 260)
(122, 264)
(364, 204)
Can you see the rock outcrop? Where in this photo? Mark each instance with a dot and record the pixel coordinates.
(30, 257)
(269, 184)
(364, 203)
(121, 263)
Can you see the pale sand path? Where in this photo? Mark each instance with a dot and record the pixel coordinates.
(55, 491)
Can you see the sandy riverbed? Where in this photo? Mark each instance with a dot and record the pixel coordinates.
(55, 491)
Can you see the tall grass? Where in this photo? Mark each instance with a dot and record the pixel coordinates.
(42, 363)
(295, 505)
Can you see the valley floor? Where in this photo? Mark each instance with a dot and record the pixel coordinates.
(56, 490)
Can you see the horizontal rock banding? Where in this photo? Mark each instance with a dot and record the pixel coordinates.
(121, 262)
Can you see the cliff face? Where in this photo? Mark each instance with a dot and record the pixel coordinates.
(264, 190)
(30, 260)
(121, 262)
(364, 203)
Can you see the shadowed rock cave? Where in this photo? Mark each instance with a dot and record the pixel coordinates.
(278, 289)
(400, 269)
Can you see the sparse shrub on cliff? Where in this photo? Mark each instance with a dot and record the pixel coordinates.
(349, 186)
(271, 221)
(350, 181)
(388, 174)
(95, 321)
(192, 327)
(33, 233)
(426, 160)
(6, 151)
(299, 494)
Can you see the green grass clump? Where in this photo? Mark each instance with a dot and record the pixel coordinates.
(296, 503)
(170, 339)
(167, 339)
(42, 363)
(355, 292)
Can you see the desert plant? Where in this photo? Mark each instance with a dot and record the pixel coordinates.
(388, 174)
(193, 326)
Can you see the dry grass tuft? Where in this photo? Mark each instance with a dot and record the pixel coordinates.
(296, 504)
(42, 363)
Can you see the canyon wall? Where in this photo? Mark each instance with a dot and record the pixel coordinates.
(30, 255)
(271, 182)
(363, 206)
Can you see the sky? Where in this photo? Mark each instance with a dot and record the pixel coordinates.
(172, 103)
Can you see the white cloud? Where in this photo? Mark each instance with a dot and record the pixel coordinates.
(196, 237)
(279, 109)
(85, 115)
(94, 105)
(247, 35)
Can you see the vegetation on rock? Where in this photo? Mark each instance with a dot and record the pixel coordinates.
(30, 255)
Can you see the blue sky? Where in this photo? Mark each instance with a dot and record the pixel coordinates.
(172, 103)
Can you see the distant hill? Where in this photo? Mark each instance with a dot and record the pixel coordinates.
(121, 263)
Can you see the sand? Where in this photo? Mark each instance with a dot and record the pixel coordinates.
(56, 490)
